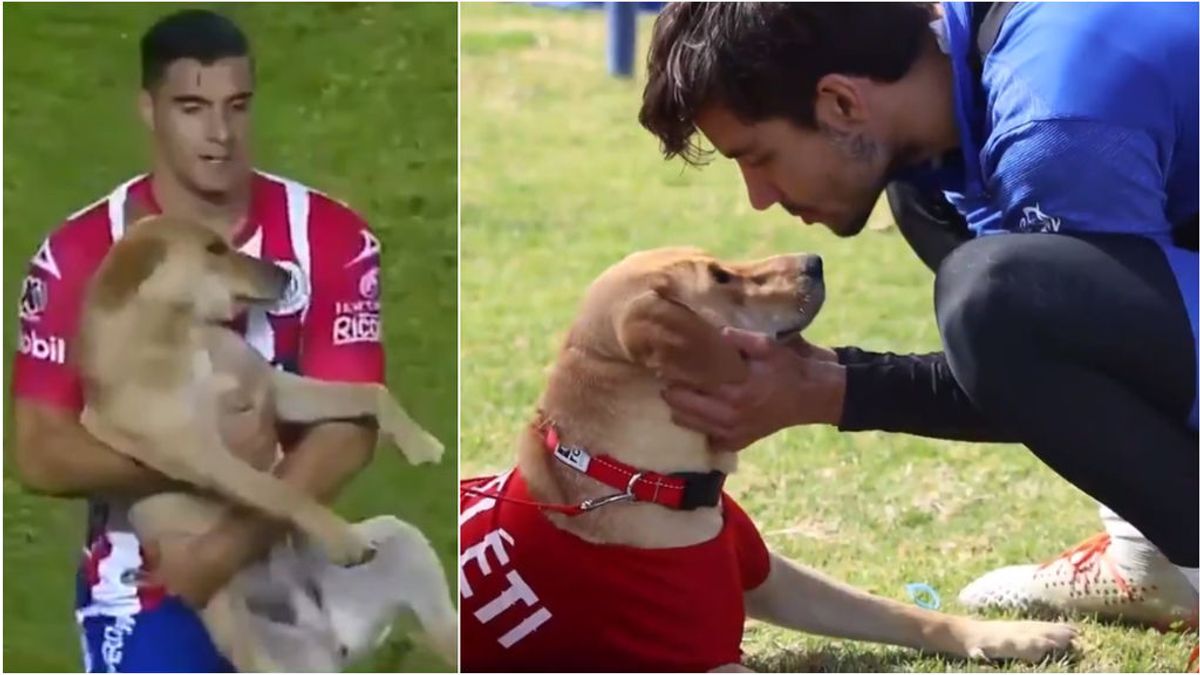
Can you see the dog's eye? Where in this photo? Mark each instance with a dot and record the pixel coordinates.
(720, 275)
(217, 248)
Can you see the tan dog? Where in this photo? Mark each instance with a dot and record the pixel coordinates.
(656, 315)
(155, 363)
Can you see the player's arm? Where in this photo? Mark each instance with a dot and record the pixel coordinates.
(1062, 175)
(328, 456)
(912, 394)
(341, 342)
(1078, 175)
(54, 454)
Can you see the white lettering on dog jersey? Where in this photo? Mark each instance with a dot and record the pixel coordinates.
(491, 541)
(517, 591)
(523, 629)
(485, 503)
(499, 543)
(49, 348)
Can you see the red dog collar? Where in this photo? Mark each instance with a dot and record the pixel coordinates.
(683, 491)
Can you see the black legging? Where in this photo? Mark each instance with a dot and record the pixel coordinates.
(1079, 346)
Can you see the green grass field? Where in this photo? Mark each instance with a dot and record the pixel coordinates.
(559, 181)
(358, 100)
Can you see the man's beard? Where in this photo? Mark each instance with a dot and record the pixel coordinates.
(899, 161)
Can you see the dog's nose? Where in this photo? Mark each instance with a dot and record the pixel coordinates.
(811, 267)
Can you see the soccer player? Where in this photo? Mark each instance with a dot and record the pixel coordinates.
(197, 89)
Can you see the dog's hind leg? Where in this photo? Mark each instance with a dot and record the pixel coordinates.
(362, 602)
(228, 623)
(303, 399)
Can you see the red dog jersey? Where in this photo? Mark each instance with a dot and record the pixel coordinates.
(537, 598)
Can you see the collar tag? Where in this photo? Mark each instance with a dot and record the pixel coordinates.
(576, 458)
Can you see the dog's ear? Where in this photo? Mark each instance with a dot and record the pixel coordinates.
(131, 263)
(669, 338)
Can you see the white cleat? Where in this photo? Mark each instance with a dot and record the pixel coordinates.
(1099, 576)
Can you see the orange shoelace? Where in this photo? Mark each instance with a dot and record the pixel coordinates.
(1092, 549)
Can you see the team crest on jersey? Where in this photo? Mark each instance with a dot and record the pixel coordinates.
(1033, 220)
(296, 295)
(370, 248)
(368, 285)
(34, 298)
(44, 260)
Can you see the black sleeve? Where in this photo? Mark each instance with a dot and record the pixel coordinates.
(910, 393)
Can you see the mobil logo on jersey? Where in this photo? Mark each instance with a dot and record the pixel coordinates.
(49, 348)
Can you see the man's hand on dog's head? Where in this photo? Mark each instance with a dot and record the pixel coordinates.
(787, 385)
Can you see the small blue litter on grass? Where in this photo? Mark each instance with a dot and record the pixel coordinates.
(923, 595)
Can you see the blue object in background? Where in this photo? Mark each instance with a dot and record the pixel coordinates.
(622, 37)
(642, 6)
(622, 29)
(924, 595)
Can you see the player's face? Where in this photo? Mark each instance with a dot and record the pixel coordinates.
(812, 175)
(199, 116)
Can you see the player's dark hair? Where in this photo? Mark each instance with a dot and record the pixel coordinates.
(189, 34)
(763, 60)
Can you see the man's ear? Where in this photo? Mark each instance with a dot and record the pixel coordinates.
(131, 264)
(145, 106)
(840, 104)
(670, 339)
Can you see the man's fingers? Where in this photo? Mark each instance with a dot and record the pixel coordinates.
(754, 345)
(699, 424)
(692, 403)
(728, 444)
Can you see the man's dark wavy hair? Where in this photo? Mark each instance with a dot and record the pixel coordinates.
(762, 60)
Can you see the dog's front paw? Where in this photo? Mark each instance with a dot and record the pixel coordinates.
(419, 446)
(1025, 640)
(344, 546)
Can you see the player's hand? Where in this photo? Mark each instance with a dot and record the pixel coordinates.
(787, 385)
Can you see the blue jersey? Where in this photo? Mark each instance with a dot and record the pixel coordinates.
(1086, 119)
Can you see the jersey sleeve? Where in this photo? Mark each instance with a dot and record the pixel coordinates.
(1074, 175)
(341, 329)
(51, 297)
(754, 560)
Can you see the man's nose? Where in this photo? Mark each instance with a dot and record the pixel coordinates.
(759, 190)
(218, 126)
